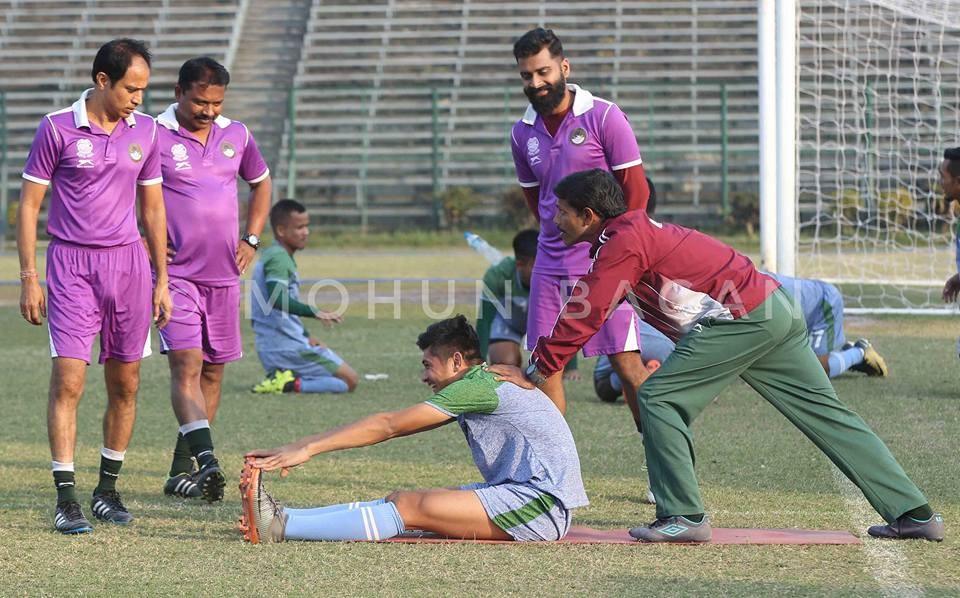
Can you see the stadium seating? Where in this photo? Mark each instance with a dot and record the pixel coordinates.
(47, 47)
(396, 99)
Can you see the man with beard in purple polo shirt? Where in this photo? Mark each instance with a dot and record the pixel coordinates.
(566, 129)
(201, 155)
(96, 154)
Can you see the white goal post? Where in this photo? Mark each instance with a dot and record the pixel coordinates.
(858, 100)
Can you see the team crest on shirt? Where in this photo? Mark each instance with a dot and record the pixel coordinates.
(84, 153)
(135, 151)
(533, 150)
(227, 149)
(578, 136)
(180, 157)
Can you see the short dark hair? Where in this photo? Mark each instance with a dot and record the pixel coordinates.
(525, 244)
(535, 40)
(652, 200)
(952, 156)
(595, 189)
(446, 337)
(114, 58)
(203, 70)
(280, 212)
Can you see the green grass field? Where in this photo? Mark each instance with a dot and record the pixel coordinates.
(755, 470)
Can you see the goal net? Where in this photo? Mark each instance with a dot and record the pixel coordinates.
(878, 101)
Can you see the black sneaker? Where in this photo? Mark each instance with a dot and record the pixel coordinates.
(674, 529)
(909, 528)
(873, 363)
(69, 519)
(107, 506)
(183, 486)
(210, 481)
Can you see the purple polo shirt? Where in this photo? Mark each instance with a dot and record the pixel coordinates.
(200, 192)
(594, 134)
(94, 174)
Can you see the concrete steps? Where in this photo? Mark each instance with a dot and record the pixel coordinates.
(264, 68)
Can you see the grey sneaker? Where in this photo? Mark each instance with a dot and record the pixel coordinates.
(674, 529)
(873, 363)
(69, 519)
(262, 519)
(909, 528)
(107, 506)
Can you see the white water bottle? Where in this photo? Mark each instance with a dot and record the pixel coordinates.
(488, 251)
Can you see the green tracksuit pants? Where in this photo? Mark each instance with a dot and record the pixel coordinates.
(770, 351)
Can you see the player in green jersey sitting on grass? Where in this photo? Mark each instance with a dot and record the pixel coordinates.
(294, 360)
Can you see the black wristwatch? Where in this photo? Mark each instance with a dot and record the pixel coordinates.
(532, 373)
(252, 240)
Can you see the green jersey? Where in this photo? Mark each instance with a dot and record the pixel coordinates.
(503, 294)
(275, 302)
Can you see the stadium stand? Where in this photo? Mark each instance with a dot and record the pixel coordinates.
(394, 101)
(47, 46)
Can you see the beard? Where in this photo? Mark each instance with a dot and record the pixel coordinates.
(547, 104)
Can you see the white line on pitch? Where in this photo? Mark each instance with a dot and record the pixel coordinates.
(888, 565)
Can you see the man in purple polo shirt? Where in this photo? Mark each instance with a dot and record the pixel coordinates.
(201, 155)
(566, 129)
(96, 154)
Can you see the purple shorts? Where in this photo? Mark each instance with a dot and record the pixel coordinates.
(549, 292)
(95, 290)
(206, 318)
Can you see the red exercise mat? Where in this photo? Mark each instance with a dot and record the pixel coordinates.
(721, 535)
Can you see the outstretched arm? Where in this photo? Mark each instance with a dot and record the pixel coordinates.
(596, 294)
(370, 430)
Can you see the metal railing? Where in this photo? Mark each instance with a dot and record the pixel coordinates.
(698, 141)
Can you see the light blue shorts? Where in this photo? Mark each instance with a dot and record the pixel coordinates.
(826, 329)
(304, 362)
(525, 513)
(500, 330)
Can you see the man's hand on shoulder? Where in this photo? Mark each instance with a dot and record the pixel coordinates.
(511, 374)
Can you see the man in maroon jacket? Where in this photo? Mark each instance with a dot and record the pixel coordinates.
(728, 320)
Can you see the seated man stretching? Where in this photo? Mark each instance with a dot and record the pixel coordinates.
(520, 443)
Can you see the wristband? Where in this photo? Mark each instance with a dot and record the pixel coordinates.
(533, 374)
(25, 274)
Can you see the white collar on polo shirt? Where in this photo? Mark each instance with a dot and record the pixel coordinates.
(169, 119)
(582, 101)
(80, 112)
